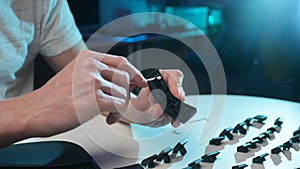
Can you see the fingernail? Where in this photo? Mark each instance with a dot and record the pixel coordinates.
(145, 82)
(181, 92)
(176, 124)
(143, 79)
(113, 118)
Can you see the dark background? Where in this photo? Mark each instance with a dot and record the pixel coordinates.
(257, 41)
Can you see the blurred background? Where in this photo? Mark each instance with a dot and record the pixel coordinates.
(258, 41)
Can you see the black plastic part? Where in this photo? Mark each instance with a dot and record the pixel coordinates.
(149, 162)
(180, 147)
(278, 121)
(277, 128)
(265, 135)
(260, 159)
(195, 164)
(167, 159)
(251, 144)
(242, 149)
(243, 124)
(287, 145)
(272, 129)
(255, 141)
(268, 133)
(176, 109)
(226, 132)
(260, 118)
(239, 128)
(248, 121)
(164, 155)
(259, 139)
(276, 150)
(241, 166)
(216, 141)
(48, 154)
(210, 158)
(296, 132)
(296, 139)
(134, 166)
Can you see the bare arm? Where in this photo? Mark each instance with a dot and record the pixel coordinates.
(50, 110)
(17, 113)
(22, 117)
(13, 119)
(60, 61)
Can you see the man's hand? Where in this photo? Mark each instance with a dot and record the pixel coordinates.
(92, 83)
(144, 110)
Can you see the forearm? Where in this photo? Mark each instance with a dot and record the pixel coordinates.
(21, 117)
(51, 109)
(15, 118)
(124, 119)
(37, 114)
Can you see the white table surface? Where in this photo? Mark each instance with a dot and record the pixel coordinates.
(121, 144)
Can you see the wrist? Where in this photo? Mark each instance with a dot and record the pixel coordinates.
(50, 114)
(15, 117)
(29, 117)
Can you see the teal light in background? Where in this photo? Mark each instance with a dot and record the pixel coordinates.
(214, 20)
(196, 15)
(203, 17)
(215, 17)
(211, 19)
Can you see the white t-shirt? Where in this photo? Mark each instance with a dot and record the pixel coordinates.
(28, 28)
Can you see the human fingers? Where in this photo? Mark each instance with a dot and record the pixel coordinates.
(164, 121)
(175, 123)
(159, 116)
(155, 117)
(122, 63)
(110, 103)
(137, 112)
(162, 118)
(109, 87)
(118, 76)
(143, 101)
(174, 79)
(157, 113)
(113, 118)
(111, 80)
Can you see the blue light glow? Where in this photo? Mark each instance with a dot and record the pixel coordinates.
(131, 39)
(211, 20)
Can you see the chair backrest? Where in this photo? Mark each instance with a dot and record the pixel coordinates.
(49, 154)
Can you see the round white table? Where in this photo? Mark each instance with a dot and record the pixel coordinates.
(121, 144)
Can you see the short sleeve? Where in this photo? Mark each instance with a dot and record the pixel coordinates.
(58, 29)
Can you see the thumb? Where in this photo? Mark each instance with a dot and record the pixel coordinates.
(113, 118)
